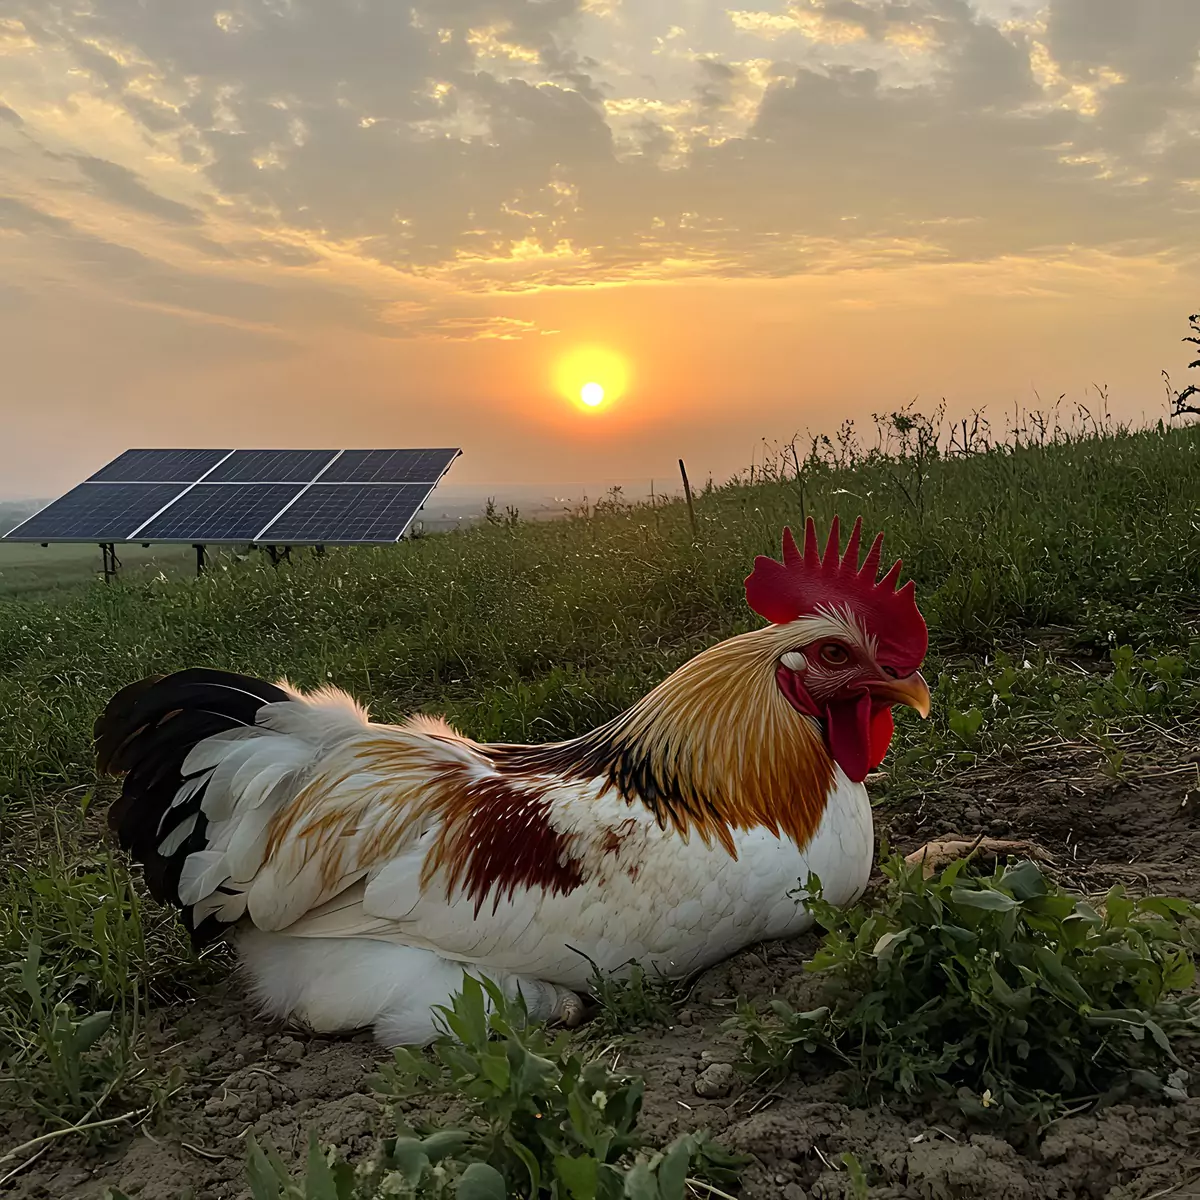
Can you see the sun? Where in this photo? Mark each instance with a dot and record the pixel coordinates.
(592, 378)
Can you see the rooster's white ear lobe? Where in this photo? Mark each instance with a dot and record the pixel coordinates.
(794, 661)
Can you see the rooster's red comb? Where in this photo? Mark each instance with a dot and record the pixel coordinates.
(804, 583)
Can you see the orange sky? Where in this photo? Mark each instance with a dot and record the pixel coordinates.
(275, 222)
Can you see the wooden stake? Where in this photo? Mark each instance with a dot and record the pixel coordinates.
(687, 491)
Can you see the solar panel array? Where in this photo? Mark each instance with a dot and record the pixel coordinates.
(273, 497)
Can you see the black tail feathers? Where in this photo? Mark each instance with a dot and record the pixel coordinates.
(145, 734)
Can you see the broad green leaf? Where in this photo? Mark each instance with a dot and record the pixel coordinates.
(320, 1184)
(29, 970)
(672, 1170)
(1161, 1040)
(1169, 906)
(1123, 954)
(987, 899)
(1024, 880)
(887, 944)
(409, 1158)
(578, 1175)
(481, 1182)
(1058, 973)
(445, 1143)
(1179, 972)
(1007, 996)
(640, 1183)
(528, 1161)
(90, 1029)
(265, 1182)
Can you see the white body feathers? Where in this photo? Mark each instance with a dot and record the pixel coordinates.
(336, 848)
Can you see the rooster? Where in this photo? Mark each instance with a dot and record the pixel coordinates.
(361, 868)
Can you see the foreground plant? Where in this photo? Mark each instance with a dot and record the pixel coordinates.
(1006, 993)
(532, 1120)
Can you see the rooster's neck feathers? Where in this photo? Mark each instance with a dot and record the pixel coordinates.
(713, 749)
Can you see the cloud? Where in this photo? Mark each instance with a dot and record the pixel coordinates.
(496, 145)
(122, 186)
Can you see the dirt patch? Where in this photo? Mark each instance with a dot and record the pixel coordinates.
(246, 1077)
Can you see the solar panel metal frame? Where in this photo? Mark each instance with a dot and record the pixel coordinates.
(185, 486)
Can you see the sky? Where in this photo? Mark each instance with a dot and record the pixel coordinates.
(370, 223)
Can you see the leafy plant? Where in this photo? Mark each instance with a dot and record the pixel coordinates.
(536, 1120)
(1006, 993)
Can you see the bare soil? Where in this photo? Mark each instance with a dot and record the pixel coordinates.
(248, 1077)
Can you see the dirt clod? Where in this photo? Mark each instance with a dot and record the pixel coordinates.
(714, 1081)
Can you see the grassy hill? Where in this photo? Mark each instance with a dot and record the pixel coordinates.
(1059, 580)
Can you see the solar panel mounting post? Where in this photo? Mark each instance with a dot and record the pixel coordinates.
(199, 548)
(108, 552)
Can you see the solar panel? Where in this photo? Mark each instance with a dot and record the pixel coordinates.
(159, 466)
(347, 513)
(96, 512)
(390, 466)
(270, 466)
(275, 497)
(220, 512)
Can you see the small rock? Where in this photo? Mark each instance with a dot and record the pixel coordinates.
(715, 1080)
(794, 1191)
(685, 1016)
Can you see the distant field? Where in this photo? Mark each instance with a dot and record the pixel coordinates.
(37, 571)
(1060, 583)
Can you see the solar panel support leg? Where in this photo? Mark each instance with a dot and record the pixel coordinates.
(200, 559)
(109, 553)
(319, 551)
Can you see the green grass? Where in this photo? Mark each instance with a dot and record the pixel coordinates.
(1059, 582)
(34, 572)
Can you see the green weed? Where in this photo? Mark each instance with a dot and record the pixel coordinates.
(633, 1001)
(1005, 994)
(535, 1120)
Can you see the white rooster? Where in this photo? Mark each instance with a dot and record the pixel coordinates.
(360, 868)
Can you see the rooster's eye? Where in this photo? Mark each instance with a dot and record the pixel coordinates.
(835, 654)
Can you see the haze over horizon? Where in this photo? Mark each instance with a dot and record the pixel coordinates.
(302, 223)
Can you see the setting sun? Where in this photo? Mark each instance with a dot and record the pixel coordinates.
(592, 377)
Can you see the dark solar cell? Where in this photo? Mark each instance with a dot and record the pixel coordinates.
(270, 466)
(97, 512)
(389, 466)
(220, 512)
(158, 466)
(349, 512)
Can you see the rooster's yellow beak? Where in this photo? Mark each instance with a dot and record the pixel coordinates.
(911, 690)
